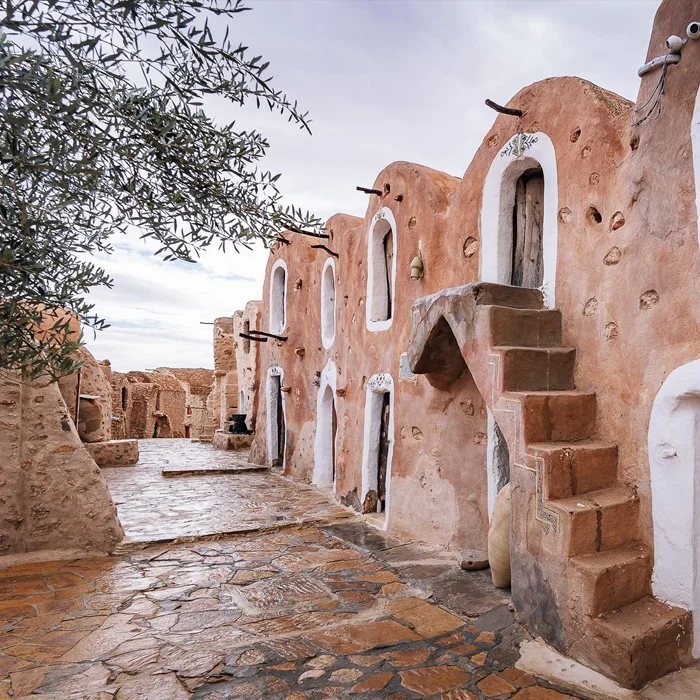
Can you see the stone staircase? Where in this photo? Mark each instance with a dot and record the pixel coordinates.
(581, 574)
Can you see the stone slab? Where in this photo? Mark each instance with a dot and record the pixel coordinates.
(230, 441)
(114, 453)
(198, 470)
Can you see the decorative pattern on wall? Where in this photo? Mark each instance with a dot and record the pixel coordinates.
(380, 383)
(518, 145)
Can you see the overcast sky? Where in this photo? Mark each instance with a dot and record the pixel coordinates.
(383, 80)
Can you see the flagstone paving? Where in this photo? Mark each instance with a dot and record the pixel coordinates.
(153, 507)
(294, 614)
(292, 611)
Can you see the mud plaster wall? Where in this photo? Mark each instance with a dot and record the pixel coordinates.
(225, 389)
(93, 382)
(247, 358)
(121, 426)
(52, 494)
(627, 284)
(439, 458)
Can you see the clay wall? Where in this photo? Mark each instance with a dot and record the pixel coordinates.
(92, 381)
(52, 494)
(196, 383)
(438, 479)
(225, 389)
(247, 359)
(622, 228)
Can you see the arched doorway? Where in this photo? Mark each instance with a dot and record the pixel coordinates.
(378, 445)
(519, 215)
(326, 429)
(276, 425)
(674, 465)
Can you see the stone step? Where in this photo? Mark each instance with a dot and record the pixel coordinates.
(556, 416)
(573, 468)
(606, 581)
(487, 294)
(537, 369)
(596, 521)
(638, 643)
(536, 328)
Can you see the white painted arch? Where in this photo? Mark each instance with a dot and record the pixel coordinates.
(674, 464)
(695, 147)
(497, 212)
(278, 297)
(328, 303)
(271, 435)
(377, 385)
(323, 445)
(376, 285)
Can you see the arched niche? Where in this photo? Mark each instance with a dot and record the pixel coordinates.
(328, 303)
(278, 297)
(523, 153)
(674, 465)
(326, 428)
(381, 270)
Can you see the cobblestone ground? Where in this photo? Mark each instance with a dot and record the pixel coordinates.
(305, 612)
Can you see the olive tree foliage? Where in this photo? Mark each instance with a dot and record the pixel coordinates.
(103, 129)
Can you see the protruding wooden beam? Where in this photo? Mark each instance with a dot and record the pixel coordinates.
(369, 190)
(328, 250)
(504, 110)
(252, 337)
(267, 335)
(309, 233)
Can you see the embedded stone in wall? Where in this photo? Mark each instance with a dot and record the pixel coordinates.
(617, 221)
(114, 453)
(613, 257)
(648, 299)
(591, 307)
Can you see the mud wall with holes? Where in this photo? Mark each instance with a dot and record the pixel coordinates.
(437, 485)
(52, 494)
(621, 262)
(247, 359)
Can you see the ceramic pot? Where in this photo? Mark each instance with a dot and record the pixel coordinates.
(499, 539)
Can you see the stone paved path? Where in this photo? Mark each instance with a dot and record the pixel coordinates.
(154, 508)
(294, 614)
(338, 610)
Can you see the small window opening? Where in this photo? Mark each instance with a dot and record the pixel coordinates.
(278, 313)
(189, 410)
(382, 271)
(328, 305)
(124, 398)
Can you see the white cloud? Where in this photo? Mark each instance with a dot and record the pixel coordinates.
(384, 80)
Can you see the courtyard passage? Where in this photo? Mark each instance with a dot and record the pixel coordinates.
(321, 609)
(207, 492)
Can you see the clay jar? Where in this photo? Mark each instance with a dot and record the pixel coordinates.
(499, 539)
(90, 421)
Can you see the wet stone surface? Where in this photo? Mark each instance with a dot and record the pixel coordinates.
(153, 507)
(293, 614)
(310, 611)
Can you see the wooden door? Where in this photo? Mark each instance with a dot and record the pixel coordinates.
(278, 459)
(334, 432)
(528, 217)
(384, 440)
